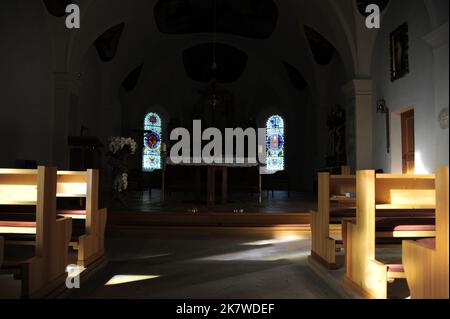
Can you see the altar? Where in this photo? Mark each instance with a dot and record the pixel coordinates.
(213, 170)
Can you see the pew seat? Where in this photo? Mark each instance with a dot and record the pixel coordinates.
(20, 227)
(397, 271)
(405, 227)
(17, 227)
(21, 234)
(391, 231)
(74, 214)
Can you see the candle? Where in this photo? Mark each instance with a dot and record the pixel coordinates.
(164, 147)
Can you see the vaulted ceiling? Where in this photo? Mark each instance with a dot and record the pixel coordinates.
(289, 43)
(248, 18)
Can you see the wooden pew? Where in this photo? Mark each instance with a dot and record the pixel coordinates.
(2, 241)
(46, 270)
(384, 193)
(90, 244)
(426, 264)
(333, 207)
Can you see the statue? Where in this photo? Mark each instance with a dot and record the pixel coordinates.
(336, 153)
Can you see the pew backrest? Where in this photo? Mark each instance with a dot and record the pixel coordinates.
(32, 187)
(18, 186)
(83, 184)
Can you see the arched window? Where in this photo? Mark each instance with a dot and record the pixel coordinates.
(275, 143)
(151, 156)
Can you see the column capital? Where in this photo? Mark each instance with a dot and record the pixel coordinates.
(358, 87)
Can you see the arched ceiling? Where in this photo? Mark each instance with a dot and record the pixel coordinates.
(248, 18)
(142, 41)
(208, 61)
(321, 49)
(108, 42)
(57, 8)
(131, 80)
(296, 78)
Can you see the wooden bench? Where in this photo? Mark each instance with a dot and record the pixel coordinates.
(46, 270)
(90, 241)
(88, 222)
(386, 194)
(333, 207)
(426, 263)
(2, 242)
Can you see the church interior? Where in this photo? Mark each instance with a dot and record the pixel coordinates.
(337, 185)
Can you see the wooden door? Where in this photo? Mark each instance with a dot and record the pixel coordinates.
(408, 145)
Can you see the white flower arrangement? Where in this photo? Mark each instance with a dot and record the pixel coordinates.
(117, 144)
(121, 183)
(119, 150)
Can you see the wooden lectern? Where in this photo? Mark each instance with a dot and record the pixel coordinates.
(84, 153)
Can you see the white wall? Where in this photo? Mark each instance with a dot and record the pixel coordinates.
(416, 89)
(26, 83)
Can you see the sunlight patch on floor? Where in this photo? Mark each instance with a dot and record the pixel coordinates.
(124, 279)
(275, 241)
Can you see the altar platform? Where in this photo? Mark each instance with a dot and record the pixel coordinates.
(144, 212)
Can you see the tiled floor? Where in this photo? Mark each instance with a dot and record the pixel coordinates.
(200, 266)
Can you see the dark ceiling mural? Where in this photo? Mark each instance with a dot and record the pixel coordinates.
(297, 79)
(230, 63)
(248, 18)
(362, 5)
(321, 49)
(57, 8)
(108, 42)
(131, 80)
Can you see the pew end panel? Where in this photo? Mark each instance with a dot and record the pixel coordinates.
(418, 264)
(427, 264)
(47, 271)
(414, 197)
(332, 192)
(91, 246)
(85, 184)
(44, 272)
(364, 274)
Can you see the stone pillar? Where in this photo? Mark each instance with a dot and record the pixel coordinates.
(438, 40)
(360, 110)
(65, 94)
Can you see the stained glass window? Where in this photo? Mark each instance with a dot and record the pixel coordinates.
(151, 158)
(275, 143)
